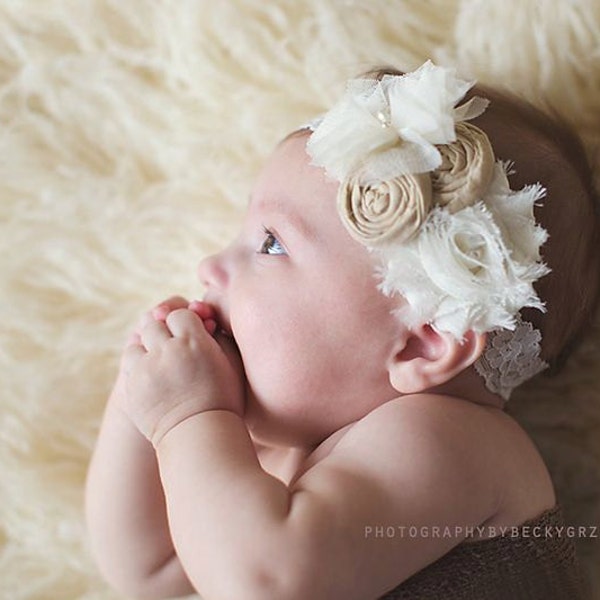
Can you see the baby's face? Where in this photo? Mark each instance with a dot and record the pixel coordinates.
(299, 296)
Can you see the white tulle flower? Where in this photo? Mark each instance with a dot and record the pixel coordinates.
(391, 127)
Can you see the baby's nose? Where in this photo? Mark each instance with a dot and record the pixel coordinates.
(212, 272)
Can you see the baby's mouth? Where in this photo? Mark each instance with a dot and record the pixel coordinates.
(221, 330)
(223, 335)
(227, 342)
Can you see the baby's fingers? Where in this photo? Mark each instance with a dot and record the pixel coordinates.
(207, 313)
(161, 311)
(185, 323)
(154, 335)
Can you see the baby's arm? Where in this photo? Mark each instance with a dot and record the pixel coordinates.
(241, 533)
(125, 511)
(125, 506)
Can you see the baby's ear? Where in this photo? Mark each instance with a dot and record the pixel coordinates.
(426, 358)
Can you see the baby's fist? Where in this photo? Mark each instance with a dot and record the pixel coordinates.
(178, 370)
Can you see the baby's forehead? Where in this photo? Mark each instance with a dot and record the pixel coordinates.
(261, 203)
(289, 179)
(285, 162)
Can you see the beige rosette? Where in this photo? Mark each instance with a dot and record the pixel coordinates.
(385, 211)
(466, 171)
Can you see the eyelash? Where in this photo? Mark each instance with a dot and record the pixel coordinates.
(271, 242)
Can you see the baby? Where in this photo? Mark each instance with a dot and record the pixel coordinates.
(343, 381)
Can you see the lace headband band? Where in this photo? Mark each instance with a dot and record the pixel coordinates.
(421, 189)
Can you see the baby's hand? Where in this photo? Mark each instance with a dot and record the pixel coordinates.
(162, 310)
(118, 395)
(202, 309)
(177, 369)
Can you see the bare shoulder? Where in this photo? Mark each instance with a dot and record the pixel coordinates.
(459, 447)
(421, 461)
(457, 420)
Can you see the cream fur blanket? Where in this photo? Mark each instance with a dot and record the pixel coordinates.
(130, 132)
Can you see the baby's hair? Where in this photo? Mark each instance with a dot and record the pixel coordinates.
(542, 148)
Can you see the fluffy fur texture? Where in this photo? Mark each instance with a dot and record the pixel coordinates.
(130, 133)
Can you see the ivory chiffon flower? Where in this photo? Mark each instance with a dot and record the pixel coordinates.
(461, 272)
(392, 127)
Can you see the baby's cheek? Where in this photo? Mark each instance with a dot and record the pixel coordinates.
(286, 374)
(281, 342)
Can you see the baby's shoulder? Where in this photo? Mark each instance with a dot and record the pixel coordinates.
(481, 436)
(421, 434)
(433, 418)
(454, 444)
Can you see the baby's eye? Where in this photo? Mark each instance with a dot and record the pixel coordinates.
(271, 245)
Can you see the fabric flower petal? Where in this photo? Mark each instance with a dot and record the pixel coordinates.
(466, 171)
(384, 212)
(459, 274)
(424, 99)
(391, 127)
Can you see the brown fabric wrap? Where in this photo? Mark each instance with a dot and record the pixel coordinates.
(502, 568)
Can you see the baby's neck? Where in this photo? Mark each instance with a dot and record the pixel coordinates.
(286, 462)
(289, 463)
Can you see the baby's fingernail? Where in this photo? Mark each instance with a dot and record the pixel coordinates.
(160, 312)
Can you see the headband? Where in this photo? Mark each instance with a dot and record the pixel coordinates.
(421, 189)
